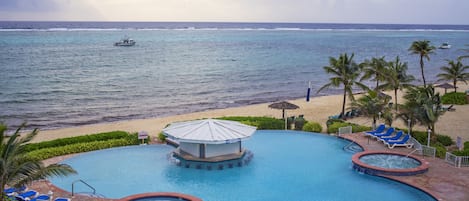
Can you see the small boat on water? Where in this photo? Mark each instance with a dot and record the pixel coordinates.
(125, 42)
(445, 46)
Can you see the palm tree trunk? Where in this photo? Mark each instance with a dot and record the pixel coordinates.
(377, 81)
(454, 84)
(395, 99)
(343, 103)
(421, 68)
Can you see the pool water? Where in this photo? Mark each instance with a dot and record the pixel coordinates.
(287, 165)
(390, 161)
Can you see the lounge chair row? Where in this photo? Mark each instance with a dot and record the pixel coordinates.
(22, 194)
(389, 137)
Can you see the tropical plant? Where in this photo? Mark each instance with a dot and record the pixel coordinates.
(396, 78)
(374, 69)
(426, 105)
(16, 168)
(454, 71)
(372, 105)
(423, 48)
(345, 72)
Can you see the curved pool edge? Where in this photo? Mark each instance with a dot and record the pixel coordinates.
(374, 170)
(160, 194)
(394, 178)
(422, 168)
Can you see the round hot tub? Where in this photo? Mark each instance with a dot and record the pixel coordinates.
(388, 163)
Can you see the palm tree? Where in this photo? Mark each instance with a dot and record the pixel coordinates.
(425, 104)
(372, 105)
(455, 71)
(396, 78)
(423, 49)
(374, 68)
(16, 168)
(345, 72)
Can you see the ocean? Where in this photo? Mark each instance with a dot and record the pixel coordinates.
(63, 74)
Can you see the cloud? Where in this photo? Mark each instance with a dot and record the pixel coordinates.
(328, 11)
(29, 5)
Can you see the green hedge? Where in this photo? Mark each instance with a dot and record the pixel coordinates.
(334, 127)
(422, 137)
(457, 98)
(262, 123)
(312, 127)
(161, 137)
(440, 150)
(78, 139)
(464, 152)
(46, 153)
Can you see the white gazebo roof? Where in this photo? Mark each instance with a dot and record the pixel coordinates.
(209, 131)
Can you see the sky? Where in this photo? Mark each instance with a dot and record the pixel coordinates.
(309, 11)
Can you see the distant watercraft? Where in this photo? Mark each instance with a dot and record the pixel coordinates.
(445, 46)
(125, 42)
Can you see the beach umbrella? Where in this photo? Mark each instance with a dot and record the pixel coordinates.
(445, 86)
(284, 105)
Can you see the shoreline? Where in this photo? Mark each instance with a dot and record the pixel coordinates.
(317, 110)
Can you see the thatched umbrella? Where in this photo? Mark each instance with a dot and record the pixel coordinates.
(445, 86)
(284, 105)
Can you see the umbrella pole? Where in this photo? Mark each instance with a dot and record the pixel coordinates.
(285, 120)
(283, 113)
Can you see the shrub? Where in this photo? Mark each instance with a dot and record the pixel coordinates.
(444, 140)
(331, 121)
(161, 137)
(334, 127)
(464, 152)
(420, 136)
(78, 139)
(46, 153)
(457, 98)
(262, 123)
(440, 150)
(466, 145)
(312, 127)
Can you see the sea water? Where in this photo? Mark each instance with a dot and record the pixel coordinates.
(61, 74)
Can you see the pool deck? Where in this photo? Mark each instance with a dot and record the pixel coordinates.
(443, 181)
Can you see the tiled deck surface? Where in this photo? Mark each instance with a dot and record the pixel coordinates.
(442, 180)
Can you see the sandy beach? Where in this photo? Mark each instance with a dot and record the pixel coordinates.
(452, 123)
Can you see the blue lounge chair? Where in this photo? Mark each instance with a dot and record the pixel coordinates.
(11, 191)
(62, 199)
(395, 137)
(388, 132)
(400, 143)
(41, 198)
(380, 129)
(28, 194)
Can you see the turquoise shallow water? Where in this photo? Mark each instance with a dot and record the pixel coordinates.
(59, 77)
(286, 166)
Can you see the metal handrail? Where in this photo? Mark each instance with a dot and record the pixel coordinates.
(73, 183)
(412, 152)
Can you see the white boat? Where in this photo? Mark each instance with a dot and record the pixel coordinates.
(125, 42)
(445, 46)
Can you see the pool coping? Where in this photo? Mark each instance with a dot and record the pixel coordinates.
(422, 168)
(154, 194)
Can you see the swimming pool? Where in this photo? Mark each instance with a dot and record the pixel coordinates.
(287, 165)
